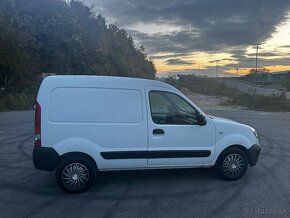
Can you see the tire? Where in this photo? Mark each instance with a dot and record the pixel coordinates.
(232, 164)
(75, 174)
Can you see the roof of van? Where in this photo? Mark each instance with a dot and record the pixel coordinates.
(51, 82)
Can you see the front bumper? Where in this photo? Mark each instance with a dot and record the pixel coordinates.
(45, 158)
(253, 154)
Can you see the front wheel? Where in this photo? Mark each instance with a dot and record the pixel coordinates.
(232, 164)
(75, 174)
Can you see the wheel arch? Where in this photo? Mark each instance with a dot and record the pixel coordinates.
(79, 146)
(230, 141)
(79, 154)
(243, 148)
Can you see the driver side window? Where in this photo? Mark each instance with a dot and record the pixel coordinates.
(169, 108)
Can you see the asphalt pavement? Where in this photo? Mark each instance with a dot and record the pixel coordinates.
(263, 192)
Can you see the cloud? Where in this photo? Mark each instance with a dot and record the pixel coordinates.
(173, 30)
(248, 60)
(218, 61)
(175, 42)
(178, 61)
(285, 46)
(164, 56)
(265, 54)
(205, 25)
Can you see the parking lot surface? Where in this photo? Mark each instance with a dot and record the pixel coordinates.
(263, 192)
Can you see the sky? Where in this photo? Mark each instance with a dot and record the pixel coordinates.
(205, 36)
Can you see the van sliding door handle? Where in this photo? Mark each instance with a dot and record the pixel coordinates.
(158, 132)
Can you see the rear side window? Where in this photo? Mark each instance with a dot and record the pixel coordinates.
(169, 108)
(95, 105)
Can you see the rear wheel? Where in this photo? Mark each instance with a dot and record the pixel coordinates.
(75, 174)
(232, 164)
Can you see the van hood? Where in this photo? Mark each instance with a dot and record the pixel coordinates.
(226, 127)
(214, 118)
(222, 123)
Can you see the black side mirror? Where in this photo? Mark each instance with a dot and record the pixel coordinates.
(201, 120)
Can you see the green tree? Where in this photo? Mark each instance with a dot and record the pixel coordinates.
(63, 38)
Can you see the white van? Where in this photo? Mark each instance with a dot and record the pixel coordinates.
(86, 124)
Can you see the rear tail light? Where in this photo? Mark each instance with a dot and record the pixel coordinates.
(37, 141)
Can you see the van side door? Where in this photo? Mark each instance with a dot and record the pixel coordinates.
(175, 137)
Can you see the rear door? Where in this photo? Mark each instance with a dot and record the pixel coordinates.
(175, 138)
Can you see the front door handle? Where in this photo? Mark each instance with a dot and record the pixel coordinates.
(158, 132)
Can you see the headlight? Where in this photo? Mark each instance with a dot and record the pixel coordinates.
(255, 133)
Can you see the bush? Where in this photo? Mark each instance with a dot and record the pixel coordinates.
(19, 101)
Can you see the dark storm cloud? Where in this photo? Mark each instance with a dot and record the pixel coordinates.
(207, 25)
(175, 42)
(245, 60)
(285, 46)
(227, 59)
(167, 56)
(262, 62)
(178, 61)
(212, 62)
(265, 54)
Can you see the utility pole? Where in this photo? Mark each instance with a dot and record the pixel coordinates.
(237, 72)
(256, 71)
(216, 71)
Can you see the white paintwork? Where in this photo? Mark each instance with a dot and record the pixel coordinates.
(92, 114)
(91, 105)
(180, 137)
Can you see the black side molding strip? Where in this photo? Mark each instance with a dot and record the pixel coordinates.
(109, 155)
(178, 153)
(124, 155)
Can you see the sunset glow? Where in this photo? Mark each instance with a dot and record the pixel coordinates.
(277, 44)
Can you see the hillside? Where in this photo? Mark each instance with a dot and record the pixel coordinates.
(41, 36)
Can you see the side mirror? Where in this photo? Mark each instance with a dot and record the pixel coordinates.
(201, 120)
